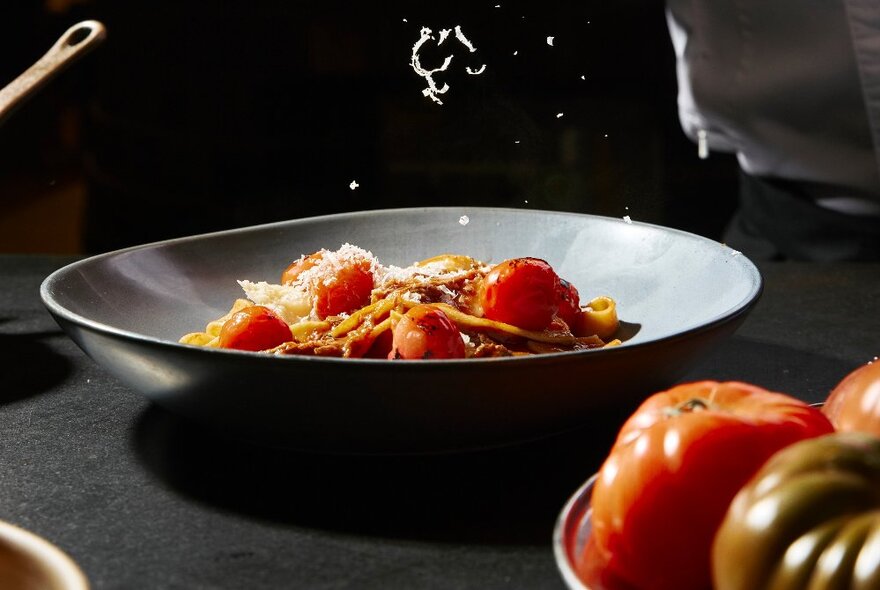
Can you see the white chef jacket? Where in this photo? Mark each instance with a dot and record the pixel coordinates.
(791, 86)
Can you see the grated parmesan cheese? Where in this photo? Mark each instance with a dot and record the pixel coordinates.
(291, 302)
(332, 262)
(464, 40)
(433, 91)
(294, 304)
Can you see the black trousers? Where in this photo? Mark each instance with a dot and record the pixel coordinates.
(778, 220)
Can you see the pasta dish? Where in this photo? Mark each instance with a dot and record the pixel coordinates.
(345, 303)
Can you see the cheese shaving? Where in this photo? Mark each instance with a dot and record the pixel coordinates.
(433, 90)
(464, 40)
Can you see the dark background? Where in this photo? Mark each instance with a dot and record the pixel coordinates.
(198, 116)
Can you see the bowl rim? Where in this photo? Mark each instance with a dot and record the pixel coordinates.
(48, 555)
(48, 284)
(574, 515)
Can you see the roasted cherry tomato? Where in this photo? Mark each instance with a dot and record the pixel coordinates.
(344, 288)
(677, 463)
(347, 291)
(809, 519)
(854, 405)
(299, 266)
(425, 332)
(569, 301)
(522, 292)
(254, 328)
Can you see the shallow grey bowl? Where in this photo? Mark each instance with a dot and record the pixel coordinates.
(678, 294)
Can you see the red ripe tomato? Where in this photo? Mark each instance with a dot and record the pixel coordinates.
(522, 292)
(344, 289)
(425, 332)
(254, 328)
(676, 465)
(854, 405)
(569, 301)
(297, 267)
(347, 291)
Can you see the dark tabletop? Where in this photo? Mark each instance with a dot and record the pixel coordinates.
(143, 499)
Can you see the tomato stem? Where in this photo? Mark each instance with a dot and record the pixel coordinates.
(695, 404)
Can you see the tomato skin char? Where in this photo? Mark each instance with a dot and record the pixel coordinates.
(425, 332)
(522, 292)
(254, 328)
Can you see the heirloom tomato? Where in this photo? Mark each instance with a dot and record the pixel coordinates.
(522, 292)
(254, 328)
(675, 466)
(808, 520)
(854, 405)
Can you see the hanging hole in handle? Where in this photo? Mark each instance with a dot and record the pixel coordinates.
(79, 35)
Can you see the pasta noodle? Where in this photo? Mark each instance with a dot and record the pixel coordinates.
(452, 285)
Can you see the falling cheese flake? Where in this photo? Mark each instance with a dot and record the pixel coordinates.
(406, 21)
(516, 141)
(433, 91)
(515, 52)
(463, 220)
(559, 115)
(550, 41)
(353, 185)
(464, 40)
(583, 77)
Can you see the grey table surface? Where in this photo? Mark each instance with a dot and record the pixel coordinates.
(143, 499)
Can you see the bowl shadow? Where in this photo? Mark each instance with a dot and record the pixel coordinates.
(31, 366)
(509, 495)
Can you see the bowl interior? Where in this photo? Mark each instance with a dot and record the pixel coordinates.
(665, 281)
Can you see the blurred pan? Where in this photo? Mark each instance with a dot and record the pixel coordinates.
(73, 44)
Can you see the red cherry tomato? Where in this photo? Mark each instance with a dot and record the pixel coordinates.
(522, 292)
(342, 290)
(297, 267)
(676, 465)
(569, 301)
(854, 404)
(347, 291)
(425, 332)
(254, 328)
